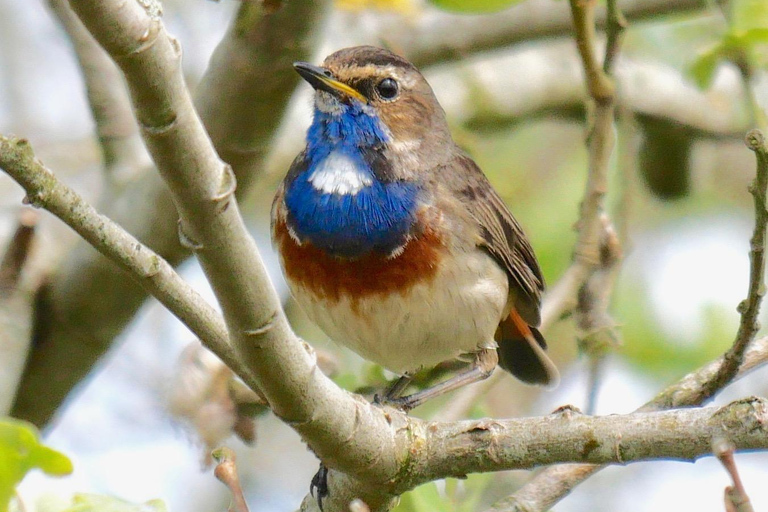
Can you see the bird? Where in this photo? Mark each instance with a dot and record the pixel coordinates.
(394, 242)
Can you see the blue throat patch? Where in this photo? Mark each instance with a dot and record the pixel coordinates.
(376, 218)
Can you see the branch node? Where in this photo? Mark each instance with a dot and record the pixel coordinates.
(263, 328)
(227, 186)
(755, 140)
(188, 242)
(567, 411)
(160, 129)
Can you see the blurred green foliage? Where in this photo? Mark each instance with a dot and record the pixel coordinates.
(474, 6)
(744, 41)
(98, 503)
(20, 452)
(449, 495)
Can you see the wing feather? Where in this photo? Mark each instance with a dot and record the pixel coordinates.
(500, 235)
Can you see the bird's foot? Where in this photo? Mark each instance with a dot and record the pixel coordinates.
(319, 485)
(402, 403)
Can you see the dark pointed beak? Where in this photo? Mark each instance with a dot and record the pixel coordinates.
(323, 80)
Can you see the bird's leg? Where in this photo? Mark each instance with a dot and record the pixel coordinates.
(396, 389)
(320, 484)
(482, 368)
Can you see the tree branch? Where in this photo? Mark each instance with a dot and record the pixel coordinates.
(142, 264)
(750, 307)
(555, 482)
(17, 298)
(89, 302)
(736, 499)
(345, 432)
(456, 449)
(437, 37)
(121, 145)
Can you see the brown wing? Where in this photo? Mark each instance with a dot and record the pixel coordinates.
(500, 235)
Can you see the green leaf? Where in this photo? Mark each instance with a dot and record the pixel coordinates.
(97, 503)
(747, 15)
(474, 6)
(756, 36)
(703, 68)
(423, 498)
(21, 451)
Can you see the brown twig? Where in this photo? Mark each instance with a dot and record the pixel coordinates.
(18, 285)
(750, 307)
(18, 250)
(226, 472)
(599, 85)
(736, 499)
(616, 23)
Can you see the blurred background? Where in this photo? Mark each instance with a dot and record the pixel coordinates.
(678, 199)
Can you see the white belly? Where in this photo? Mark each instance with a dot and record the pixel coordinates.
(455, 313)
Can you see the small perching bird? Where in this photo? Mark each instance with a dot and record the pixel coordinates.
(392, 239)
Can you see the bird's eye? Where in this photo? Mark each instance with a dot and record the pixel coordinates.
(387, 89)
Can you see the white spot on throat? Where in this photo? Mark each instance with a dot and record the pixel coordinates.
(339, 174)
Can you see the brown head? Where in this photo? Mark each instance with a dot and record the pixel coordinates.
(386, 83)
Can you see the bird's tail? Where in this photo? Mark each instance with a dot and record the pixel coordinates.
(522, 352)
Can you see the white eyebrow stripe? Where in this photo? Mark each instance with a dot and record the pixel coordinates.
(339, 174)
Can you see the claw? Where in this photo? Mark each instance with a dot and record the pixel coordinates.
(320, 483)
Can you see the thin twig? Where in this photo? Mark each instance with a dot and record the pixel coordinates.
(750, 307)
(226, 472)
(616, 23)
(18, 251)
(599, 85)
(736, 499)
(597, 238)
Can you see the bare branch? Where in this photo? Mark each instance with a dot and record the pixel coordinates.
(142, 264)
(750, 307)
(115, 126)
(436, 37)
(555, 482)
(17, 253)
(226, 472)
(89, 302)
(458, 448)
(17, 299)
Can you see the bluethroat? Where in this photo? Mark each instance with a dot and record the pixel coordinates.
(392, 239)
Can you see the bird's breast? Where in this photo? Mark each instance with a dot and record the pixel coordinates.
(334, 278)
(338, 205)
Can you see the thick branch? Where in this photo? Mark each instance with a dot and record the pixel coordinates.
(435, 37)
(456, 449)
(344, 431)
(554, 483)
(107, 97)
(89, 301)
